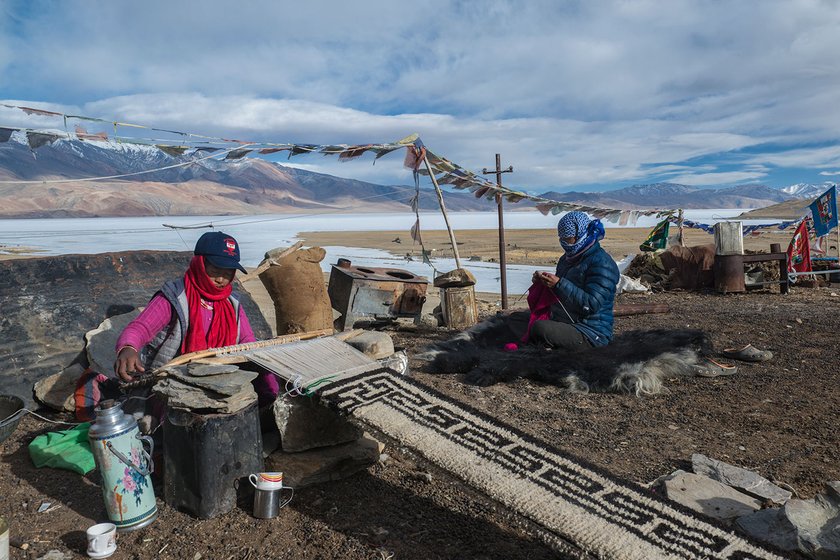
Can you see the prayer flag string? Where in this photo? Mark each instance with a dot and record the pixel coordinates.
(445, 171)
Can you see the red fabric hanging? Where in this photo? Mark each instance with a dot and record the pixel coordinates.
(799, 250)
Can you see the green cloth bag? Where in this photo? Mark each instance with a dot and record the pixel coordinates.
(67, 449)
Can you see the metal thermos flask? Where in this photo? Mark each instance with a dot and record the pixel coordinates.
(125, 467)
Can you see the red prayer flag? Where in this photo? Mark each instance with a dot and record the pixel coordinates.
(799, 250)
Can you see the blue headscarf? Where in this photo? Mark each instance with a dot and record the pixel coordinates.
(585, 231)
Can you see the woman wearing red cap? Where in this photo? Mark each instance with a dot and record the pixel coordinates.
(192, 313)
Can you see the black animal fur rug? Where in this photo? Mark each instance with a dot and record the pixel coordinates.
(636, 362)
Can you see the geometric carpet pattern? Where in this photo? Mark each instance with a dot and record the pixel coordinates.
(602, 515)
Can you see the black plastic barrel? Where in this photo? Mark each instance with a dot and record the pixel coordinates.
(205, 455)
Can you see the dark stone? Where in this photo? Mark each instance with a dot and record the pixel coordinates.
(324, 464)
(50, 303)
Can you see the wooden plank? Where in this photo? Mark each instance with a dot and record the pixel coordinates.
(623, 310)
(283, 339)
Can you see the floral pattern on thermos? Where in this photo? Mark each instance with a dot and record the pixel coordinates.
(129, 498)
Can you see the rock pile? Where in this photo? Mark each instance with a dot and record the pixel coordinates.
(759, 508)
(314, 444)
(220, 389)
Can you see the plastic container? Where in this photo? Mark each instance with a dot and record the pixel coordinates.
(206, 454)
(11, 411)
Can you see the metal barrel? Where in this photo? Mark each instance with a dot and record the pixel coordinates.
(729, 273)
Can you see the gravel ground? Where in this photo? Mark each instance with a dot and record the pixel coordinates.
(777, 418)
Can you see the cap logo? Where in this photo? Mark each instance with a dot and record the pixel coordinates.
(230, 247)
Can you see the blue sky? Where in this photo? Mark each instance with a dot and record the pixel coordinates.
(576, 95)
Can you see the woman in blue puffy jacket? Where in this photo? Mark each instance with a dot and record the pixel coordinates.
(584, 284)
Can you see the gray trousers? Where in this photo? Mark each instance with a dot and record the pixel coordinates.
(551, 334)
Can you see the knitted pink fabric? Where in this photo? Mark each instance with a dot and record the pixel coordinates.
(540, 300)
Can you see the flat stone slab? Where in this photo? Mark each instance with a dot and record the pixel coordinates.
(181, 395)
(770, 526)
(374, 344)
(743, 479)
(56, 391)
(102, 340)
(457, 278)
(306, 424)
(324, 464)
(227, 384)
(817, 524)
(197, 369)
(710, 497)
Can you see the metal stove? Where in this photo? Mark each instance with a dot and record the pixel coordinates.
(367, 294)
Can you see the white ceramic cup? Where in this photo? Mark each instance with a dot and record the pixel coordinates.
(101, 538)
(267, 480)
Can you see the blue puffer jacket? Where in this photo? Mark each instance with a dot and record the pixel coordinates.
(587, 290)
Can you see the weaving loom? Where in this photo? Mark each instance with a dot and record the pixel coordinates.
(307, 359)
(310, 362)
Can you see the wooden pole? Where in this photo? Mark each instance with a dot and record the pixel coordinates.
(443, 211)
(502, 251)
(838, 246)
(502, 244)
(680, 224)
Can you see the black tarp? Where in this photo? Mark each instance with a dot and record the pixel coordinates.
(48, 304)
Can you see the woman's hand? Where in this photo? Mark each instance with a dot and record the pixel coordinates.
(128, 362)
(546, 279)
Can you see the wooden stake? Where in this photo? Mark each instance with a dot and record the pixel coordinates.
(680, 224)
(263, 267)
(443, 211)
(184, 358)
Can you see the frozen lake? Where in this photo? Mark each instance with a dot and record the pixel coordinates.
(256, 234)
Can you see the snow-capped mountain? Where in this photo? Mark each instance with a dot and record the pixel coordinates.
(252, 185)
(208, 187)
(807, 190)
(673, 195)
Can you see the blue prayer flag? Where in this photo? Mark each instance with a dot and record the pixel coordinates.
(824, 212)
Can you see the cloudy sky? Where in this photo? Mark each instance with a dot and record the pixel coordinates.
(585, 95)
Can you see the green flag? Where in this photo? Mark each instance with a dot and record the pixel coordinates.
(658, 237)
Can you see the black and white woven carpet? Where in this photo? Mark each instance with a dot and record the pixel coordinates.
(577, 502)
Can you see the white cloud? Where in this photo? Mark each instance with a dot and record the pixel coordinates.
(570, 93)
(830, 173)
(723, 178)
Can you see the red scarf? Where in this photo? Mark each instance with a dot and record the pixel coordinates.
(223, 324)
